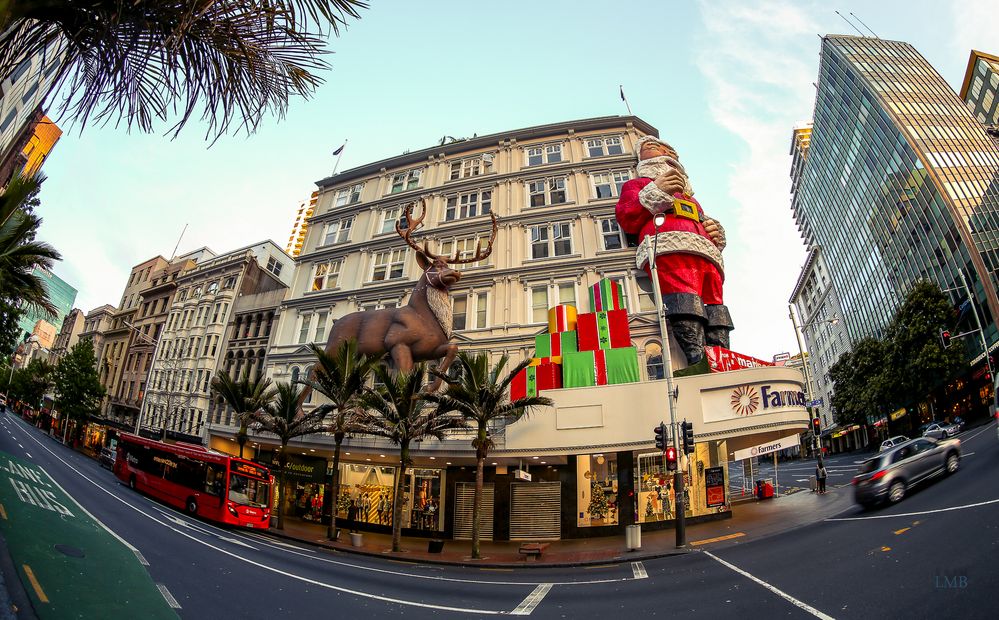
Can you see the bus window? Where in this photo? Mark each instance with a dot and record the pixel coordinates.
(214, 479)
(248, 491)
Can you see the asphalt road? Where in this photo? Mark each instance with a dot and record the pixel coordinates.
(930, 555)
(795, 475)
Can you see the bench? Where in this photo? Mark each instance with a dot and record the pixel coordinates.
(532, 551)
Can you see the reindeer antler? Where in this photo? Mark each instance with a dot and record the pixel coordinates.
(479, 254)
(411, 225)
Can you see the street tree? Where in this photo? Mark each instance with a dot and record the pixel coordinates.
(480, 394)
(281, 416)
(140, 63)
(30, 383)
(20, 254)
(10, 330)
(398, 411)
(245, 396)
(860, 377)
(168, 395)
(78, 389)
(340, 377)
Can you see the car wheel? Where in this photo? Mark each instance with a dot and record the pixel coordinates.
(945, 435)
(953, 462)
(896, 492)
(192, 507)
(131, 483)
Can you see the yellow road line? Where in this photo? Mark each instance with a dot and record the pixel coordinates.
(3, 513)
(718, 539)
(600, 566)
(498, 570)
(34, 584)
(902, 531)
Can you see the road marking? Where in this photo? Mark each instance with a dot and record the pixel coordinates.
(886, 548)
(600, 566)
(913, 514)
(34, 584)
(533, 600)
(171, 601)
(717, 539)
(20, 446)
(274, 542)
(787, 597)
(902, 531)
(497, 570)
(638, 569)
(187, 524)
(29, 454)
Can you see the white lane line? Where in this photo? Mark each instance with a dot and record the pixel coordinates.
(274, 542)
(784, 595)
(639, 570)
(29, 454)
(533, 600)
(20, 446)
(171, 601)
(914, 514)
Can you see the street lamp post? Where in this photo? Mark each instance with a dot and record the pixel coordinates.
(804, 366)
(681, 534)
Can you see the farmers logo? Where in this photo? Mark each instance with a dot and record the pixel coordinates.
(745, 400)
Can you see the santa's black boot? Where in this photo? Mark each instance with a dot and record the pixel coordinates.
(716, 334)
(687, 319)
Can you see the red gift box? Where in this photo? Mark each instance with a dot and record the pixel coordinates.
(533, 379)
(603, 330)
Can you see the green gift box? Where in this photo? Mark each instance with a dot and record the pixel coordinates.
(600, 367)
(555, 345)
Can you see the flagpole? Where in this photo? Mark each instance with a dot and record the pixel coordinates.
(625, 100)
(339, 155)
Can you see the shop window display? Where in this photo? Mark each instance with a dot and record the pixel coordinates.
(654, 492)
(596, 481)
(424, 499)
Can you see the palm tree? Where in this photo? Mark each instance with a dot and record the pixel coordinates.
(282, 417)
(398, 411)
(340, 377)
(480, 394)
(138, 62)
(20, 254)
(245, 396)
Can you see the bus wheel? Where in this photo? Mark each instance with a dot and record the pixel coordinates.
(192, 506)
(131, 482)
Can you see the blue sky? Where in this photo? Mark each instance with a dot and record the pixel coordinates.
(724, 81)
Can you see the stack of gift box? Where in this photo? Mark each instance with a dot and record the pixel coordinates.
(582, 350)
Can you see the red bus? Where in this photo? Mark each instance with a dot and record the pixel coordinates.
(206, 483)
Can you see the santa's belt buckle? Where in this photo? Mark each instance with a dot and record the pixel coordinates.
(686, 208)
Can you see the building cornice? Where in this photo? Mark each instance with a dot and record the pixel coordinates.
(813, 254)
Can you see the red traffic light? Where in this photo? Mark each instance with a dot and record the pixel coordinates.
(671, 458)
(816, 426)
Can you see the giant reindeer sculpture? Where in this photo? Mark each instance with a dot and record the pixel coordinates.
(421, 330)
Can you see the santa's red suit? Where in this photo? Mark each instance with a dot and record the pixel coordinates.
(688, 260)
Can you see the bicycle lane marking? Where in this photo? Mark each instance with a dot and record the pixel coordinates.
(54, 543)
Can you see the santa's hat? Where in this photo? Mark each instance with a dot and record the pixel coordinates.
(647, 139)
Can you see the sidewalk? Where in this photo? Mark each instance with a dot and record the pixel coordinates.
(750, 521)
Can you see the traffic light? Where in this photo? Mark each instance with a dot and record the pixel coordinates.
(671, 458)
(945, 337)
(816, 426)
(687, 436)
(660, 432)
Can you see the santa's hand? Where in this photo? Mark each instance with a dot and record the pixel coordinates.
(716, 232)
(671, 183)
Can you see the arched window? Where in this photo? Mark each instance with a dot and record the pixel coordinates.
(654, 361)
(294, 373)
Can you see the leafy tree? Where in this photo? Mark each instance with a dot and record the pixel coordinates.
(10, 331)
(19, 253)
(480, 394)
(140, 62)
(77, 387)
(31, 382)
(340, 377)
(860, 379)
(282, 417)
(398, 410)
(245, 396)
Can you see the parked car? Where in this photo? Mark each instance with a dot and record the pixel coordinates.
(940, 430)
(889, 475)
(107, 458)
(892, 442)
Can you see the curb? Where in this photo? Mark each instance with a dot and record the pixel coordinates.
(618, 559)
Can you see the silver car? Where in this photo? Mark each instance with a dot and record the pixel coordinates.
(892, 442)
(941, 430)
(890, 474)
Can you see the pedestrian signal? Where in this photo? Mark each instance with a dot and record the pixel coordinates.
(671, 458)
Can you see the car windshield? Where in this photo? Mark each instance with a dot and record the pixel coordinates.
(248, 491)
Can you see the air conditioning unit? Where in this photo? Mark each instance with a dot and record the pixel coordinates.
(520, 474)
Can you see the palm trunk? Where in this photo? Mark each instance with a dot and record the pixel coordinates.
(397, 500)
(335, 486)
(480, 463)
(283, 462)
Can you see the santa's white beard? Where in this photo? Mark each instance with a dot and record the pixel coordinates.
(654, 167)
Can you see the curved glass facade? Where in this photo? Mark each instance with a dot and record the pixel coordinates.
(900, 183)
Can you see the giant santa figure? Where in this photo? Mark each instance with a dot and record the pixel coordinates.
(688, 247)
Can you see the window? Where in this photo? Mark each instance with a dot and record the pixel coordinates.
(303, 330)
(389, 217)
(197, 292)
(539, 304)
(481, 306)
(274, 266)
(468, 205)
(229, 283)
(388, 265)
(466, 168)
(465, 249)
(348, 195)
(599, 147)
(608, 184)
(212, 288)
(610, 233)
(326, 275)
(321, 318)
(546, 192)
(182, 295)
(404, 181)
(546, 154)
(654, 361)
(566, 294)
(548, 240)
(338, 231)
(561, 293)
(459, 312)
(646, 296)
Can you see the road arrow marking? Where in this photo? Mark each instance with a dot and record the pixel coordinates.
(533, 600)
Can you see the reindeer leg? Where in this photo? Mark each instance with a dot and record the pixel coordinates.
(451, 350)
(402, 357)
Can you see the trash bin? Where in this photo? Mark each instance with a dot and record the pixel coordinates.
(633, 537)
(435, 546)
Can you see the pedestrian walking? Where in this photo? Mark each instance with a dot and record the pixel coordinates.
(820, 476)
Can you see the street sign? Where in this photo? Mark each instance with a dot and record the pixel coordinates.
(767, 448)
(814, 403)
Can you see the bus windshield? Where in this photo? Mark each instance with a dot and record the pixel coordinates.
(248, 491)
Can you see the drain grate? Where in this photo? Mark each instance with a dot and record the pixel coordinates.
(72, 552)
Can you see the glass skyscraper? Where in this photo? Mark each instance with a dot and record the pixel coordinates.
(62, 296)
(981, 87)
(900, 183)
